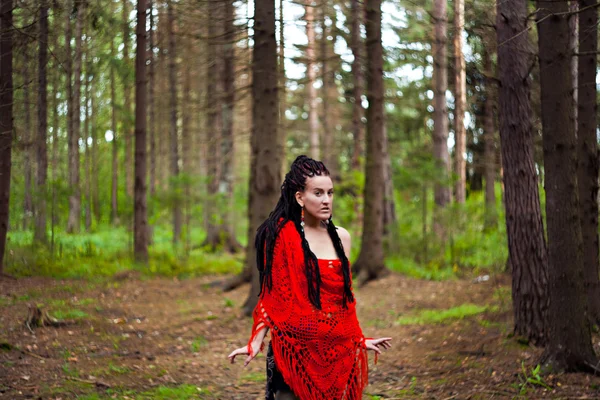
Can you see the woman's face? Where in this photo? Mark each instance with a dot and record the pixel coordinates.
(317, 197)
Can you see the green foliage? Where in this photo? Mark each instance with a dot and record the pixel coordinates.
(106, 252)
(181, 392)
(530, 379)
(436, 316)
(198, 343)
(69, 314)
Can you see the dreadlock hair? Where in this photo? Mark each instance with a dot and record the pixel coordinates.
(288, 209)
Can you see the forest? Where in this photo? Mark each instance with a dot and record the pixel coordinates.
(142, 143)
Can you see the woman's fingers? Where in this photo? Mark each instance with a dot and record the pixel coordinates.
(237, 352)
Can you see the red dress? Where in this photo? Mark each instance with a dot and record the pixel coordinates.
(320, 353)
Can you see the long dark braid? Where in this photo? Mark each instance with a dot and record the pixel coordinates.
(288, 209)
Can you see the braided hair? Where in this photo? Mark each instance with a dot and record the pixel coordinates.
(288, 209)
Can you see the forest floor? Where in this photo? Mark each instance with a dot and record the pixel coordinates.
(136, 338)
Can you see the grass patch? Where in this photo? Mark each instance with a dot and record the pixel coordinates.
(410, 268)
(253, 377)
(199, 342)
(182, 392)
(437, 316)
(69, 314)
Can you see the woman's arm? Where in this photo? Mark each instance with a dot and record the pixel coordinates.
(370, 343)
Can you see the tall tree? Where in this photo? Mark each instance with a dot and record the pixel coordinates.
(174, 152)
(527, 254)
(126, 121)
(442, 194)
(114, 192)
(356, 45)
(282, 84)
(6, 118)
(28, 140)
(151, 109)
(587, 152)
(214, 120)
(265, 158)
(370, 262)
(311, 74)
(227, 148)
(329, 97)
(489, 153)
(140, 223)
(460, 103)
(569, 334)
(73, 223)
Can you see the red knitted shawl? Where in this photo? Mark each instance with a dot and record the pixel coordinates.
(320, 353)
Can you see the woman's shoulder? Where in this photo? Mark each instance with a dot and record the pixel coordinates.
(343, 233)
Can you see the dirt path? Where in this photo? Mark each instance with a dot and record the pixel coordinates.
(138, 338)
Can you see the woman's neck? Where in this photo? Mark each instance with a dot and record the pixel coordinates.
(312, 222)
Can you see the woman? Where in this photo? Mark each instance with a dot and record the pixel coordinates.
(317, 348)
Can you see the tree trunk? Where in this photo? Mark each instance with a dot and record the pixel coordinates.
(356, 45)
(28, 141)
(370, 262)
(587, 152)
(151, 88)
(187, 149)
(74, 222)
(114, 193)
(177, 213)
(140, 223)
(6, 118)
(126, 121)
(282, 87)
(227, 148)
(95, 170)
(87, 164)
(442, 194)
(214, 122)
(569, 334)
(56, 83)
(489, 134)
(265, 161)
(460, 103)
(527, 254)
(329, 97)
(313, 118)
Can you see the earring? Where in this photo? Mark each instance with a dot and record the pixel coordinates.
(302, 218)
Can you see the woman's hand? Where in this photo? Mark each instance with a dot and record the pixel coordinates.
(256, 346)
(377, 344)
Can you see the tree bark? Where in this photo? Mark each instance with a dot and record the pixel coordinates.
(151, 89)
(6, 118)
(127, 134)
(73, 224)
(460, 104)
(174, 152)
(527, 254)
(114, 193)
(587, 152)
(489, 134)
(282, 87)
(265, 159)
(356, 45)
(87, 164)
(569, 334)
(227, 148)
(442, 193)
(28, 141)
(313, 118)
(370, 262)
(214, 121)
(329, 97)
(140, 209)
